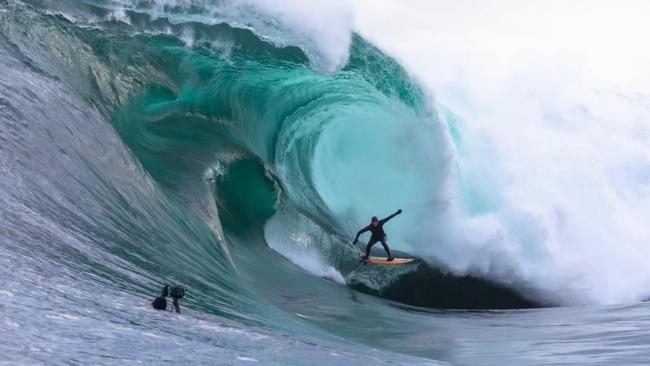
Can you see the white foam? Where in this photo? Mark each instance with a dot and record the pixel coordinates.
(11, 323)
(6, 293)
(554, 98)
(299, 244)
(248, 359)
(321, 28)
(119, 14)
(310, 261)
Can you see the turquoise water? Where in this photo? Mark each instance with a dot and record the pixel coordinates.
(148, 146)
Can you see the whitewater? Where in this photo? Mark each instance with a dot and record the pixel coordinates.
(235, 147)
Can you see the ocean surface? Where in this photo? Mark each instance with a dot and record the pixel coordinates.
(235, 148)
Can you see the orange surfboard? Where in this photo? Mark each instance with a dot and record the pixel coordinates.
(381, 260)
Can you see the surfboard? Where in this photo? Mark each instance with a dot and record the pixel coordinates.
(383, 261)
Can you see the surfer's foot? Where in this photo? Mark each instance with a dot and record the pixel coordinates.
(364, 258)
(390, 259)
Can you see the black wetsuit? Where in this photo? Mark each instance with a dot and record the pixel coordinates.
(377, 234)
(160, 303)
(177, 306)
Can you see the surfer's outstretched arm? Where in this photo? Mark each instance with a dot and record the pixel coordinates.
(356, 239)
(385, 220)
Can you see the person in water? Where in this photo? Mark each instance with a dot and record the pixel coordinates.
(177, 293)
(378, 234)
(160, 303)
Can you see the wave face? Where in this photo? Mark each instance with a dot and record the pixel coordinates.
(191, 142)
(144, 145)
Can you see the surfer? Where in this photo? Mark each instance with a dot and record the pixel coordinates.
(160, 303)
(177, 293)
(376, 229)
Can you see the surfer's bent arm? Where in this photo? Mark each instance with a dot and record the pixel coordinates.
(385, 220)
(367, 228)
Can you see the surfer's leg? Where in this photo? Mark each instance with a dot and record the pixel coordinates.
(177, 306)
(385, 245)
(371, 242)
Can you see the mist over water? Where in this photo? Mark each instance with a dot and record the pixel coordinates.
(548, 109)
